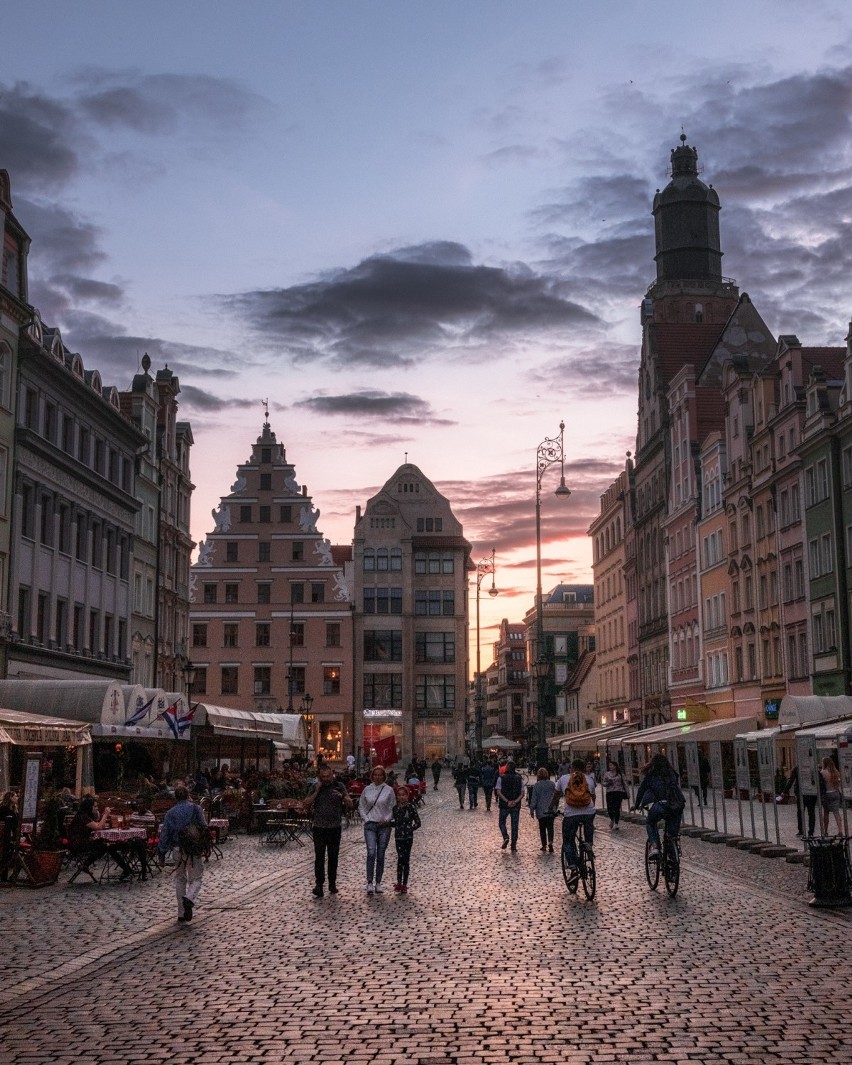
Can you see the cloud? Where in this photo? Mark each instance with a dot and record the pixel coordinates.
(401, 407)
(41, 138)
(197, 399)
(408, 306)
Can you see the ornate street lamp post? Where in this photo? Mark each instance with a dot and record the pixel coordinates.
(483, 569)
(550, 451)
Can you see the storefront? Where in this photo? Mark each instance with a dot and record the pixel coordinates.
(382, 741)
(66, 746)
(434, 737)
(241, 739)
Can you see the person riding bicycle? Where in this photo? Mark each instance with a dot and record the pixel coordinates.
(578, 789)
(660, 790)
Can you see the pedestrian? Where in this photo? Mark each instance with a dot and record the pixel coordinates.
(406, 821)
(376, 807)
(831, 795)
(578, 790)
(616, 793)
(509, 790)
(460, 782)
(436, 773)
(809, 802)
(325, 805)
(350, 762)
(9, 829)
(175, 835)
(703, 774)
(488, 778)
(542, 807)
(473, 785)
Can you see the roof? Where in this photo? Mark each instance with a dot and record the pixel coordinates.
(341, 553)
(675, 344)
(811, 709)
(830, 359)
(581, 671)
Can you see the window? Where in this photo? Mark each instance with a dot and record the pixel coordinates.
(262, 634)
(434, 603)
(297, 680)
(266, 454)
(61, 623)
(318, 592)
(210, 593)
(230, 634)
(434, 647)
(331, 680)
(47, 520)
(382, 646)
(332, 634)
(382, 690)
(433, 562)
(298, 551)
(199, 635)
(230, 680)
(262, 680)
(383, 600)
(232, 593)
(265, 515)
(245, 515)
(232, 551)
(435, 692)
(266, 482)
(285, 514)
(263, 551)
(199, 681)
(430, 524)
(297, 634)
(297, 592)
(264, 592)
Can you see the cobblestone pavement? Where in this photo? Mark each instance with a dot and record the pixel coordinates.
(487, 959)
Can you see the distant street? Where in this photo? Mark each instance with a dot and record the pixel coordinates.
(487, 959)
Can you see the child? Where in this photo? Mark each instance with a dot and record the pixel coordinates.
(405, 820)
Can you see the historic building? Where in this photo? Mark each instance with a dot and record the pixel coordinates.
(608, 566)
(506, 705)
(271, 614)
(713, 581)
(410, 580)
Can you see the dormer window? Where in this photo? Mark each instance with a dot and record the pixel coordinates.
(699, 312)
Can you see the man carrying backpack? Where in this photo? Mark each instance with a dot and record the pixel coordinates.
(577, 788)
(184, 829)
(660, 790)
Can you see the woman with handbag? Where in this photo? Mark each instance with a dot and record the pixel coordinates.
(616, 793)
(376, 807)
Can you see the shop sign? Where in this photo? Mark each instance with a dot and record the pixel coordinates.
(375, 713)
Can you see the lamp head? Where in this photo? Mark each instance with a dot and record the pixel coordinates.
(492, 591)
(563, 491)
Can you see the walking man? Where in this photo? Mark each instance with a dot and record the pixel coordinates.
(473, 786)
(326, 804)
(436, 772)
(509, 790)
(184, 829)
(488, 778)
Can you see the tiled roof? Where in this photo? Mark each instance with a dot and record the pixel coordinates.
(341, 553)
(830, 359)
(676, 344)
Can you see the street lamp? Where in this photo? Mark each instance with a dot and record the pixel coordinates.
(307, 703)
(483, 568)
(550, 451)
(290, 667)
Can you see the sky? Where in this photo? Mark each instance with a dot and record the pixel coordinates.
(421, 231)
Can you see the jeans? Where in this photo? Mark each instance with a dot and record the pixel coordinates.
(672, 818)
(188, 874)
(545, 830)
(460, 789)
(614, 800)
(514, 814)
(377, 838)
(472, 792)
(326, 842)
(487, 791)
(569, 834)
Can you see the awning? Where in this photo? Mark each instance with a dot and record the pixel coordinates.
(138, 732)
(827, 736)
(244, 724)
(23, 728)
(809, 709)
(76, 700)
(724, 729)
(589, 740)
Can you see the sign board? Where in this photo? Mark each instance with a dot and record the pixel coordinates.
(806, 757)
(716, 775)
(771, 709)
(32, 782)
(380, 713)
(766, 762)
(741, 764)
(692, 771)
(844, 758)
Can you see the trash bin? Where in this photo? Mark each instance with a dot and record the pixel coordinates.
(830, 876)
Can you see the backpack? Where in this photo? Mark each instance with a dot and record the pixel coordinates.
(674, 796)
(577, 792)
(194, 839)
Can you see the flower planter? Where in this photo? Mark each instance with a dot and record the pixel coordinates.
(42, 867)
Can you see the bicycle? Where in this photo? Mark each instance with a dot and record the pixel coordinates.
(585, 871)
(665, 861)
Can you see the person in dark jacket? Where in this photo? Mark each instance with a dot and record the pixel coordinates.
(473, 786)
(509, 790)
(189, 868)
(488, 778)
(325, 805)
(406, 821)
(436, 772)
(660, 791)
(460, 781)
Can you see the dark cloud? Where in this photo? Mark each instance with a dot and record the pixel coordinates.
(40, 138)
(202, 402)
(411, 305)
(400, 407)
(579, 372)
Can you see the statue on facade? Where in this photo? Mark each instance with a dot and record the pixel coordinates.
(222, 518)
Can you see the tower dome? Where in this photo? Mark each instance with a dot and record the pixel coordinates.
(686, 223)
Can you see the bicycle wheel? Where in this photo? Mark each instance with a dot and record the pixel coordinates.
(569, 874)
(652, 866)
(671, 866)
(588, 874)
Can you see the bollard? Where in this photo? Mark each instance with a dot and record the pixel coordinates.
(830, 877)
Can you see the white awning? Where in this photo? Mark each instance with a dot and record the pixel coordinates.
(226, 721)
(589, 740)
(72, 700)
(807, 709)
(22, 728)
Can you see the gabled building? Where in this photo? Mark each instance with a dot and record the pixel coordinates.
(506, 711)
(271, 615)
(611, 626)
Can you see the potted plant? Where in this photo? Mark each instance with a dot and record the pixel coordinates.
(43, 861)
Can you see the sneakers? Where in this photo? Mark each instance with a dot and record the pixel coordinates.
(654, 851)
(505, 843)
(370, 887)
(573, 879)
(397, 887)
(332, 889)
(187, 909)
(317, 892)
(550, 848)
(379, 889)
(403, 889)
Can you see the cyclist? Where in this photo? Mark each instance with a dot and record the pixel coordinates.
(578, 789)
(660, 790)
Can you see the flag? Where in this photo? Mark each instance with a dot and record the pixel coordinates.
(385, 751)
(171, 719)
(184, 722)
(141, 712)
